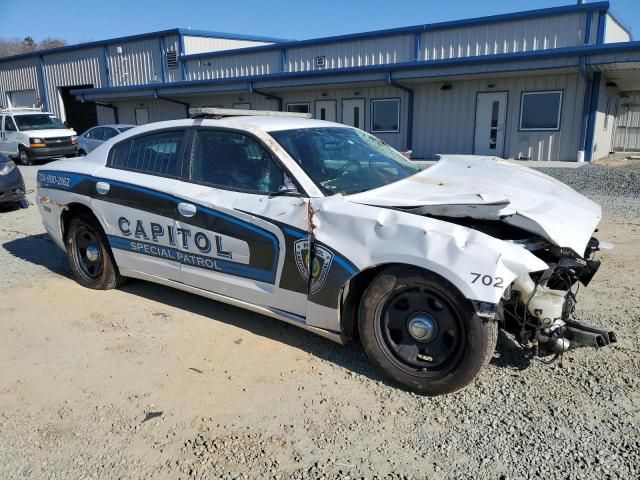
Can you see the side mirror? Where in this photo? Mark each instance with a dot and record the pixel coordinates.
(290, 188)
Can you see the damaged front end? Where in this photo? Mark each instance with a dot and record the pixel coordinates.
(539, 309)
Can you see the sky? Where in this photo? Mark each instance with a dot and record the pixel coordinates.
(79, 21)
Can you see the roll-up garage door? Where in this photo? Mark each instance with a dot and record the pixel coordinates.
(23, 98)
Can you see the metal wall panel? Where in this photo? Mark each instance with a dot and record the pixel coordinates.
(18, 75)
(138, 63)
(507, 37)
(207, 44)
(82, 67)
(605, 121)
(355, 53)
(159, 110)
(614, 32)
(258, 63)
(627, 124)
(444, 120)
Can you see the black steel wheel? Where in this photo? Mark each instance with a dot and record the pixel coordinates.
(422, 333)
(23, 156)
(89, 254)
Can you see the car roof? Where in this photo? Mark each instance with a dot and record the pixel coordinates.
(115, 125)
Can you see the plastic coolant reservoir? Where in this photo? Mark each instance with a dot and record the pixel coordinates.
(546, 304)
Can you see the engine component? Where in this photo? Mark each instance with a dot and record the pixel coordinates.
(542, 302)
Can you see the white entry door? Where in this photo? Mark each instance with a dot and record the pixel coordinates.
(353, 112)
(326, 110)
(491, 113)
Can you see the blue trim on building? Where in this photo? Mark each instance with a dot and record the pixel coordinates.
(181, 56)
(42, 82)
(416, 47)
(383, 68)
(410, 102)
(587, 28)
(602, 22)
(529, 14)
(144, 36)
(541, 13)
(163, 60)
(593, 110)
(283, 60)
(107, 69)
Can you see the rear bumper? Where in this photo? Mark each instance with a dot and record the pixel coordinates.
(12, 187)
(50, 152)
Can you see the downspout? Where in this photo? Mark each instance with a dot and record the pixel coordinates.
(105, 56)
(410, 95)
(587, 91)
(268, 96)
(184, 104)
(43, 83)
(183, 65)
(163, 60)
(593, 93)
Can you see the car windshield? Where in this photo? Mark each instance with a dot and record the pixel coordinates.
(43, 121)
(345, 160)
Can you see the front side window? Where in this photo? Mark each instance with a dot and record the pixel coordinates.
(540, 110)
(39, 121)
(155, 154)
(385, 115)
(344, 160)
(298, 107)
(235, 161)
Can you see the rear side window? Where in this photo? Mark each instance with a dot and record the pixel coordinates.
(156, 154)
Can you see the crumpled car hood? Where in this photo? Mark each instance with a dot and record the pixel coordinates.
(494, 189)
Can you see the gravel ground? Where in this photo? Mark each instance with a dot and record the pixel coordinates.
(146, 382)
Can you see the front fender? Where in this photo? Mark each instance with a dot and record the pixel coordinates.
(480, 266)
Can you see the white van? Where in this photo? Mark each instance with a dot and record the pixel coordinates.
(30, 134)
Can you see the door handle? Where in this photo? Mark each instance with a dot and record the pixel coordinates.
(187, 209)
(102, 188)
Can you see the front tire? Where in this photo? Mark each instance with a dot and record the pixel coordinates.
(89, 255)
(422, 333)
(23, 156)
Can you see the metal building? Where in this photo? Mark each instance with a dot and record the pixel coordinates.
(553, 84)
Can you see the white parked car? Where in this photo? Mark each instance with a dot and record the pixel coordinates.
(30, 134)
(326, 227)
(96, 136)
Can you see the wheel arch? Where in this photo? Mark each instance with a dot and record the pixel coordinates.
(73, 210)
(354, 288)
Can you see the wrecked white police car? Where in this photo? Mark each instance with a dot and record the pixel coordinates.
(326, 227)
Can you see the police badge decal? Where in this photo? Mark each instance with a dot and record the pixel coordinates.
(320, 265)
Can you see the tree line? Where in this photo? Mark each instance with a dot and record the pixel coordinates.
(10, 47)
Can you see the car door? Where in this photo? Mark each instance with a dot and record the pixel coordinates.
(3, 145)
(95, 139)
(240, 226)
(135, 202)
(9, 136)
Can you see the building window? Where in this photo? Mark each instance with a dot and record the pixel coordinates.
(540, 110)
(385, 115)
(298, 107)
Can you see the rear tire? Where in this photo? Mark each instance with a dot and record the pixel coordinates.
(81, 153)
(89, 255)
(23, 156)
(421, 332)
